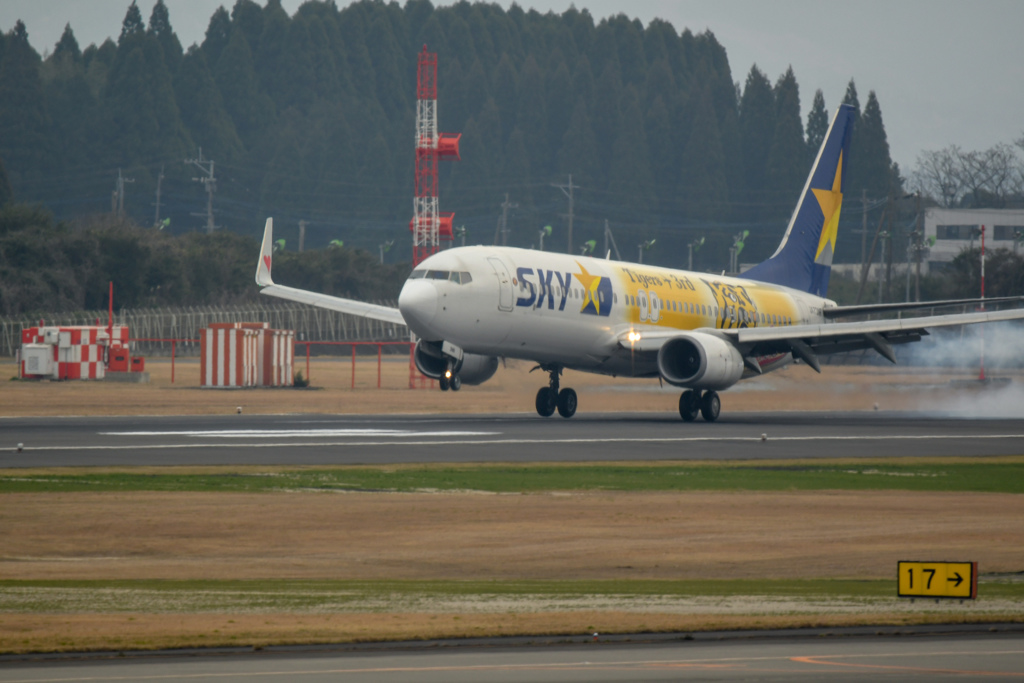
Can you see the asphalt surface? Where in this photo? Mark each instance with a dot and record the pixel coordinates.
(376, 439)
(958, 656)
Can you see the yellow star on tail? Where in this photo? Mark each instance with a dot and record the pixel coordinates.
(830, 202)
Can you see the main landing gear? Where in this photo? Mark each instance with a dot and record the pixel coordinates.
(694, 401)
(550, 398)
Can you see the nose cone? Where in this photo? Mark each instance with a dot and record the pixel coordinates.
(418, 305)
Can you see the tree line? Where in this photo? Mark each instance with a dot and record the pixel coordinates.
(310, 117)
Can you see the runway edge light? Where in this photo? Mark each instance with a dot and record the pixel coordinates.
(954, 580)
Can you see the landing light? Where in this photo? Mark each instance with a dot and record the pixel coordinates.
(634, 337)
(447, 374)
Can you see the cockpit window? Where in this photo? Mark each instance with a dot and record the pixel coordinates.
(459, 277)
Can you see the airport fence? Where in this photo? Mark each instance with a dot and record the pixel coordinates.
(154, 328)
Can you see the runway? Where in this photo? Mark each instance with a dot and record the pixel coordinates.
(391, 439)
(992, 657)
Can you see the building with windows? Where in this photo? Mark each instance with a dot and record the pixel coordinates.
(956, 229)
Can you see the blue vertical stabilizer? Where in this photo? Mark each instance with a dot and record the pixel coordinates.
(803, 260)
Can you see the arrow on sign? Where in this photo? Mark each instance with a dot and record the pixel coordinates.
(959, 579)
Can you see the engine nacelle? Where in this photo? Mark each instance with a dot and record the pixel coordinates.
(473, 369)
(700, 361)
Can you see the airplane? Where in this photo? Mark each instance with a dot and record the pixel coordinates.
(470, 306)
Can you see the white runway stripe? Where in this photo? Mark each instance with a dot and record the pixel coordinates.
(498, 442)
(290, 433)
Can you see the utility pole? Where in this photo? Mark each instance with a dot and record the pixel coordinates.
(503, 228)
(159, 182)
(863, 226)
(883, 280)
(608, 236)
(693, 246)
(918, 249)
(567, 191)
(302, 237)
(117, 201)
(641, 248)
(210, 183)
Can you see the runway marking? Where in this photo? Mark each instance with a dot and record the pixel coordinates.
(265, 433)
(511, 442)
(825, 660)
(700, 663)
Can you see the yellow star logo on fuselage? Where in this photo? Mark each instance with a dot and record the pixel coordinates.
(590, 284)
(830, 202)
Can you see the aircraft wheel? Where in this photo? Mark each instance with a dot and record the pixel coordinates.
(689, 405)
(710, 406)
(566, 402)
(546, 402)
(443, 383)
(455, 382)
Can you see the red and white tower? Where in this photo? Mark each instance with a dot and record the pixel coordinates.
(429, 226)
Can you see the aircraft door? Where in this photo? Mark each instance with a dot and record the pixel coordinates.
(505, 295)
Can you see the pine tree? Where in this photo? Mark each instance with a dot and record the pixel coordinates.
(67, 46)
(141, 112)
(703, 185)
(532, 115)
(663, 158)
(788, 161)
(873, 165)
(248, 16)
(559, 102)
(250, 109)
(757, 129)
(515, 173)
(203, 112)
(506, 95)
(218, 33)
(630, 184)
(578, 152)
(132, 24)
(25, 143)
(160, 27)
(817, 124)
(6, 194)
(389, 81)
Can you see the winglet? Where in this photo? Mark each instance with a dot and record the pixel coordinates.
(263, 267)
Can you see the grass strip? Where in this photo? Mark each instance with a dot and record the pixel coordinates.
(996, 475)
(228, 596)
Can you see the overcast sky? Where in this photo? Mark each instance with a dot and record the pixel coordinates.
(945, 71)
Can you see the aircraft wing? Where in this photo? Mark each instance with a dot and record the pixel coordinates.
(807, 342)
(333, 303)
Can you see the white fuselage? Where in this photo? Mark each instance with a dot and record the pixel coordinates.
(574, 310)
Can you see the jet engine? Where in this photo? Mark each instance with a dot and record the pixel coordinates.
(473, 369)
(700, 361)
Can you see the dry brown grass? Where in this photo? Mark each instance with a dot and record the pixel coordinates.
(81, 632)
(511, 390)
(609, 535)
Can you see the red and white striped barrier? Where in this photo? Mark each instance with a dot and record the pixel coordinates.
(246, 355)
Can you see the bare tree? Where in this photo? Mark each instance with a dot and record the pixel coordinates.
(948, 175)
(936, 175)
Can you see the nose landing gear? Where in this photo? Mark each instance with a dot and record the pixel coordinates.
(550, 398)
